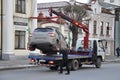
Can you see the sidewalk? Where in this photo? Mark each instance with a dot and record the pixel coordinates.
(112, 59)
(18, 63)
(23, 62)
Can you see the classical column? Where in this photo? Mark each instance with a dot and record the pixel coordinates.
(34, 14)
(8, 36)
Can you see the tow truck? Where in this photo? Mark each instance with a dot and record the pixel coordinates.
(88, 51)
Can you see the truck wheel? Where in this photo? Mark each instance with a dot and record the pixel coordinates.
(53, 68)
(74, 64)
(98, 63)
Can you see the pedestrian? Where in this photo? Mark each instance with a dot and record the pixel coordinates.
(118, 51)
(64, 62)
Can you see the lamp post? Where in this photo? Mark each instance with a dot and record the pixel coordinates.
(1, 27)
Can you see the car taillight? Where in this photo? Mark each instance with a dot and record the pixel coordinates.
(31, 48)
(52, 34)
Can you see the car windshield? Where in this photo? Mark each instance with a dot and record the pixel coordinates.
(43, 30)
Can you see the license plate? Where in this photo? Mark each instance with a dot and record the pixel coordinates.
(42, 60)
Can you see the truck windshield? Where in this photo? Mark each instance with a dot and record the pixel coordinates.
(102, 44)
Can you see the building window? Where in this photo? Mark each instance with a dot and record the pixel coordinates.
(20, 6)
(101, 25)
(19, 39)
(94, 27)
(107, 28)
(111, 1)
(86, 22)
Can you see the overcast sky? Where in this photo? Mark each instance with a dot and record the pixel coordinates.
(45, 1)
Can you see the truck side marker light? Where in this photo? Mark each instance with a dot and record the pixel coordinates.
(32, 60)
(51, 62)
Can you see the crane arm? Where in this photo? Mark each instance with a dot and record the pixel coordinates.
(74, 22)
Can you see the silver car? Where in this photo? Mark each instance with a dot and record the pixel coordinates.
(47, 40)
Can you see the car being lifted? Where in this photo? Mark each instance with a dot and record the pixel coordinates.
(47, 39)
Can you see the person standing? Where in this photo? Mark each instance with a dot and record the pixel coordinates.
(64, 62)
(118, 51)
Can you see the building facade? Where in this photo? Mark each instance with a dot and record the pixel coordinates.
(102, 26)
(111, 4)
(114, 6)
(104, 19)
(16, 26)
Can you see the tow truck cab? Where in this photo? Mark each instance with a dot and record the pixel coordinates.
(100, 46)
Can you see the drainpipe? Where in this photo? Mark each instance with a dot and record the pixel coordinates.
(116, 32)
(114, 37)
(1, 27)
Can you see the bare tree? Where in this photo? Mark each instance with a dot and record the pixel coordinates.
(76, 12)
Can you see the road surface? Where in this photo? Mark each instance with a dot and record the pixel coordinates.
(109, 71)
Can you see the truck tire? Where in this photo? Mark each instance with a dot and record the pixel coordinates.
(53, 68)
(74, 64)
(98, 63)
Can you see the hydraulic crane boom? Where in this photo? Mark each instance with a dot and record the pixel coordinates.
(76, 23)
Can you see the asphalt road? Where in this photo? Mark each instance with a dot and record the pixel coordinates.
(109, 71)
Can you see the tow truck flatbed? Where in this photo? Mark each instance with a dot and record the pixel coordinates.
(71, 55)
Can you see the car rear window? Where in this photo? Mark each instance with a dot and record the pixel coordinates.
(43, 30)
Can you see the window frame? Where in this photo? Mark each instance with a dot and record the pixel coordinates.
(101, 28)
(20, 6)
(107, 29)
(19, 37)
(94, 27)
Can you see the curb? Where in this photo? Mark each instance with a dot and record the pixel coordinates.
(17, 67)
(113, 60)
